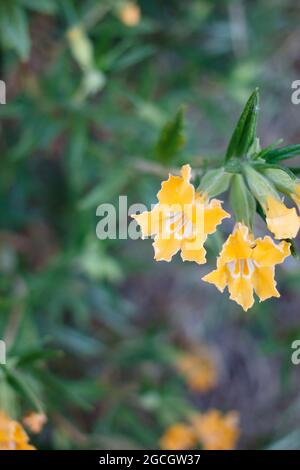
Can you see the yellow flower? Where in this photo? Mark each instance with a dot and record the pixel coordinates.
(296, 194)
(181, 220)
(35, 422)
(245, 265)
(12, 435)
(282, 221)
(216, 431)
(199, 369)
(130, 14)
(178, 437)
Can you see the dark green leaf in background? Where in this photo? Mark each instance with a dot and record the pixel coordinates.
(171, 138)
(14, 28)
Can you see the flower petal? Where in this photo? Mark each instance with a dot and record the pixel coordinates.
(218, 277)
(282, 221)
(213, 216)
(237, 246)
(267, 253)
(177, 189)
(149, 221)
(264, 283)
(241, 291)
(165, 248)
(193, 250)
(178, 437)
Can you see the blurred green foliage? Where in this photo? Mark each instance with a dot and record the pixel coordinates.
(91, 114)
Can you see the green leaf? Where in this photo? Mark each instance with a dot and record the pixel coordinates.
(242, 202)
(21, 384)
(245, 131)
(282, 153)
(133, 57)
(33, 356)
(293, 248)
(42, 6)
(106, 191)
(263, 152)
(14, 28)
(64, 390)
(295, 170)
(77, 342)
(171, 138)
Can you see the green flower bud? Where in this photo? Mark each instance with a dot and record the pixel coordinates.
(242, 201)
(81, 47)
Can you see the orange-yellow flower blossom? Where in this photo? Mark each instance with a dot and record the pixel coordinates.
(35, 422)
(217, 431)
(245, 265)
(130, 14)
(181, 220)
(12, 435)
(282, 221)
(178, 437)
(296, 194)
(199, 369)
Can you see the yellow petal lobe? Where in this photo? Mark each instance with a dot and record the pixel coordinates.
(264, 283)
(282, 221)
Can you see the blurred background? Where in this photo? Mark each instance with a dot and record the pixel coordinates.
(113, 347)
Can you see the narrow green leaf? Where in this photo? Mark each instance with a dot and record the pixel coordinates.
(36, 355)
(106, 191)
(171, 138)
(294, 249)
(21, 384)
(295, 170)
(14, 28)
(263, 152)
(245, 131)
(42, 6)
(283, 153)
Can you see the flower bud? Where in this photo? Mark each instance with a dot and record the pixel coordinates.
(81, 47)
(242, 201)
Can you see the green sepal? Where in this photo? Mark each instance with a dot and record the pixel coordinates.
(215, 182)
(281, 179)
(293, 248)
(259, 185)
